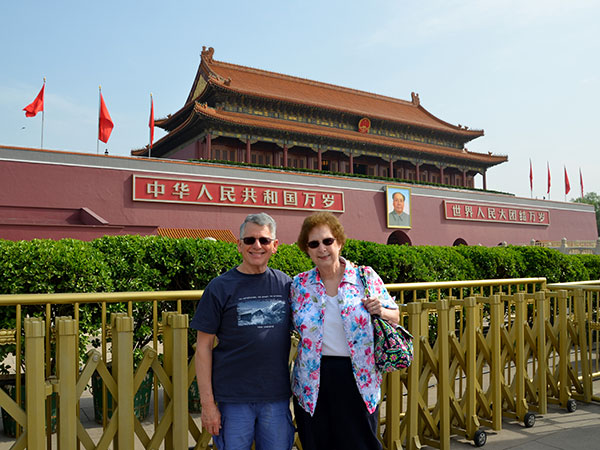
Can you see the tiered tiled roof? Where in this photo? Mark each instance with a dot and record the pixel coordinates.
(289, 89)
(216, 76)
(267, 123)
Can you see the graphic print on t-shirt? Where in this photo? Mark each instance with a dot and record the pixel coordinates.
(261, 311)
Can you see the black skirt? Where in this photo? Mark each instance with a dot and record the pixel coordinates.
(341, 420)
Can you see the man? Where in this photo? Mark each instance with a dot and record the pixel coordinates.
(244, 381)
(398, 218)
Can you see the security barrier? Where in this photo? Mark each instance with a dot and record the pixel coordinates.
(581, 302)
(52, 365)
(484, 350)
(503, 352)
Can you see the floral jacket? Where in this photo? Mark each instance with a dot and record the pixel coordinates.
(308, 306)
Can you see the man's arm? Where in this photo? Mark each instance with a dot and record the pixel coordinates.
(211, 416)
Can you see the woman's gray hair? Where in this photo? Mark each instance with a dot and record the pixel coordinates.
(261, 220)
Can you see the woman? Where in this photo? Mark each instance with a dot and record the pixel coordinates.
(335, 382)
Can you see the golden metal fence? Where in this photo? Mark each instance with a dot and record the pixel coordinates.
(143, 309)
(484, 350)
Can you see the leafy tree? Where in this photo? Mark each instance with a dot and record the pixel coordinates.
(591, 198)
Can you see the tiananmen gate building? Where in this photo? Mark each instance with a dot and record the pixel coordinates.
(243, 142)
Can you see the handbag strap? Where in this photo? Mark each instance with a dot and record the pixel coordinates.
(363, 277)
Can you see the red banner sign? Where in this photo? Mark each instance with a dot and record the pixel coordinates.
(177, 190)
(489, 213)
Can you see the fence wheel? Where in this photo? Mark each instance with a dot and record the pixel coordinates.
(480, 438)
(529, 420)
(571, 405)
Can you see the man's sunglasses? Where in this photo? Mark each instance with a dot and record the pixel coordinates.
(326, 242)
(251, 240)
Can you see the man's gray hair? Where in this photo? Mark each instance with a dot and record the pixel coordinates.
(261, 220)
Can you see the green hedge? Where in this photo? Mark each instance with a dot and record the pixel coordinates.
(136, 263)
(146, 263)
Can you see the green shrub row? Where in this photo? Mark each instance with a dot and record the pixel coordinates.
(136, 263)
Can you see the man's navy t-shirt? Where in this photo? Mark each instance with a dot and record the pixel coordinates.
(250, 315)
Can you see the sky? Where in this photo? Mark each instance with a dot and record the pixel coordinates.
(527, 72)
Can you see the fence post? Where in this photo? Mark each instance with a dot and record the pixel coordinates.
(393, 402)
(414, 373)
(497, 320)
(563, 349)
(520, 369)
(122, 329)
(472, 316)
(67, 358)
(168, 366)
(178, 324)
(582, 330)
(542, 366)
(445, 382)
(35, 383)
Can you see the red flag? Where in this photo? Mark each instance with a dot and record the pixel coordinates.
(567, 184)
(37, 105)
(151, 122)
(105, 123)
(581, 182)
(530, 176)
(548, 164)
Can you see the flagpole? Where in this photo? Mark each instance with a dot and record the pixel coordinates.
(43, 112)
(150, 129)
(530, 178)
(98, 131)
(549, 182)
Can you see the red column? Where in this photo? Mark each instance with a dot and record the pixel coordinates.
(418, 172)
(319, 159)
(208, 146)
(391, 174)
(464, 178)
(351, 163)
(285, 156)
(442, 175)
(248, 151)
(198, 149)
(484, 181)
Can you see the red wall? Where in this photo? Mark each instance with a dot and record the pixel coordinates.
(107, 192)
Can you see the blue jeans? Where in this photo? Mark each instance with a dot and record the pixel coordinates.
(268, 424)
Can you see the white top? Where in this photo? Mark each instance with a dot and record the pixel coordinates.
(334, 337)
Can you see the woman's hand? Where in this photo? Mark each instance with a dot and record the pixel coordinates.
(373, 305)
(375, 308)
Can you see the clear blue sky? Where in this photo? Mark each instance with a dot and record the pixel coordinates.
(525, 71)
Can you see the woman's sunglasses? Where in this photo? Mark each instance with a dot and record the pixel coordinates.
(251, 240)
(326, 242)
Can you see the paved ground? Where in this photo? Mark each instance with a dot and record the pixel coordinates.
(95, 430)
(558, 429)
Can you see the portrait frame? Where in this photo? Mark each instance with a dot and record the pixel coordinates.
(393, 220)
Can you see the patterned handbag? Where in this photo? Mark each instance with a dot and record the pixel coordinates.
(393, 346)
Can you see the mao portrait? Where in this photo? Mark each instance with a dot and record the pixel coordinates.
(398, 207)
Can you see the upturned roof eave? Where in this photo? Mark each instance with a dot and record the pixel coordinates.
(209, 67)
(488, 160)
(465, 135)
(185, 129)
